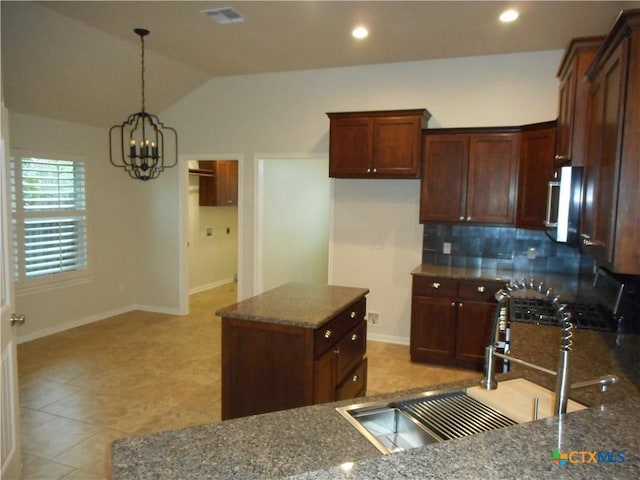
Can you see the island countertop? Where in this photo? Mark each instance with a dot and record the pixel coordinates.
(297, 304)
(316, 442)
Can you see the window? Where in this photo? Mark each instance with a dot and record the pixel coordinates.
(49, 220)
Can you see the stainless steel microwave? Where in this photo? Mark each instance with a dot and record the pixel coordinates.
(564, 198)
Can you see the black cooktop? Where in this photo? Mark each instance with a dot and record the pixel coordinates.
(540, 311)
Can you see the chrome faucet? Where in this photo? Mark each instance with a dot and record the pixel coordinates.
(563, 370)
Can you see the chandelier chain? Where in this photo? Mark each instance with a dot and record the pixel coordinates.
(142, 70)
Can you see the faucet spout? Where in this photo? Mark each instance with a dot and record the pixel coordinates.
(563, 371)
(603, 382)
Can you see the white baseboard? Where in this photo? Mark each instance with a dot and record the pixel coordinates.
(378, 337)
(209, 286)
(73, 324)
(94, 318)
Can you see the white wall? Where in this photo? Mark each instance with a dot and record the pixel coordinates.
(212, 260)
(111, 200)
(285, 112)
(294, 205)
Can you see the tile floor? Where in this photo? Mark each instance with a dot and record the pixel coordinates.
(142, 372)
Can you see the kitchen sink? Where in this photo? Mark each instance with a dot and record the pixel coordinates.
(428, 418)
(442, 415)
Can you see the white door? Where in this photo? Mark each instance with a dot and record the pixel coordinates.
(10, 426)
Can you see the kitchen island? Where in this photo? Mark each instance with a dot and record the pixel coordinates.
(316, 442)
(295, 345)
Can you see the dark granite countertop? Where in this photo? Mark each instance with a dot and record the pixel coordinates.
(572, 287)
(316, 442)
(298, 304)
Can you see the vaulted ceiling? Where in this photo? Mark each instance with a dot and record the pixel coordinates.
(80, 61)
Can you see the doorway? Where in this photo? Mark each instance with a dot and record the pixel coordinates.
(212, 222)
(293, 214)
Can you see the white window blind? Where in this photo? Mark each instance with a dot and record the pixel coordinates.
(48, 200)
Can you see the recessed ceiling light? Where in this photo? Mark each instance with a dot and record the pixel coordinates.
(508, 16)
(360, 32)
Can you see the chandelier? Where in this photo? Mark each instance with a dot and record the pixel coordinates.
(142, 145)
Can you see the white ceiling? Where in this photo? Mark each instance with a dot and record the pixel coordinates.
(80, 61)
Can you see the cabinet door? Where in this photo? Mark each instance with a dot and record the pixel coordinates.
(565, 114)
(396, 147)
(473, 332)
(207, 188)
(603, 162)
(227, 182)
(265, 367)
(355, 384)
(325, 378)
(433, 329)
(492, 182)
(444, 178)
(350, 147)
(535, 171)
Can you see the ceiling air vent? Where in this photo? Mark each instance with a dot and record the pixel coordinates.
(224, 15)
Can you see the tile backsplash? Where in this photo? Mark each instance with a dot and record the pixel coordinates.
(500, 247)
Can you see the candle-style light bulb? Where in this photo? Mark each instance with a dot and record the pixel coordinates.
(132, 148)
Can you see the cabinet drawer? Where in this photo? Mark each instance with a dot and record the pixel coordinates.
(479, 290)
(434, 286)
(355, 384)
(351, 349)
(332, 331)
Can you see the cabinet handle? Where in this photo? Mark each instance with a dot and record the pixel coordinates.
(460, 305)
(352, 314)
(375, 170)
(355, 378)
(453, 304)
(468, 219)
(587, 242)
(481, 289)
(547, 221)
(461, 218)
(561, 157)
(328, 333)
(435, 284)
(368, 170)
(354, 337)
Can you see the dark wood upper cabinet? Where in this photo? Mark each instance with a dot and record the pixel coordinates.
(469, 175)
(536, 169)
(380, 144)
(218, 183)
(610, 224)
(574, 93)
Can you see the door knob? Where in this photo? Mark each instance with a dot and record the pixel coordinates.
(15, 318)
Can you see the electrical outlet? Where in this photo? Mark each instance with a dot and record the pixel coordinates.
(446, 248)
(373, 318)
(208, 232)
(531, 254)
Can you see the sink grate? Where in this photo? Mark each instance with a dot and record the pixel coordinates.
(454, 415)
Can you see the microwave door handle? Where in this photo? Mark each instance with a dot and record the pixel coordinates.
(547, 222)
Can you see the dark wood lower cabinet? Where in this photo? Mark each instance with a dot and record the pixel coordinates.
(451, 320)
(268, 367)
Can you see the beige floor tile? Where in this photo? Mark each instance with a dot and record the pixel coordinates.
(36, 468)
(55, 436)
(109, 410)
(30, 418)
(85, 475)
(38, 394)
(93, 454)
